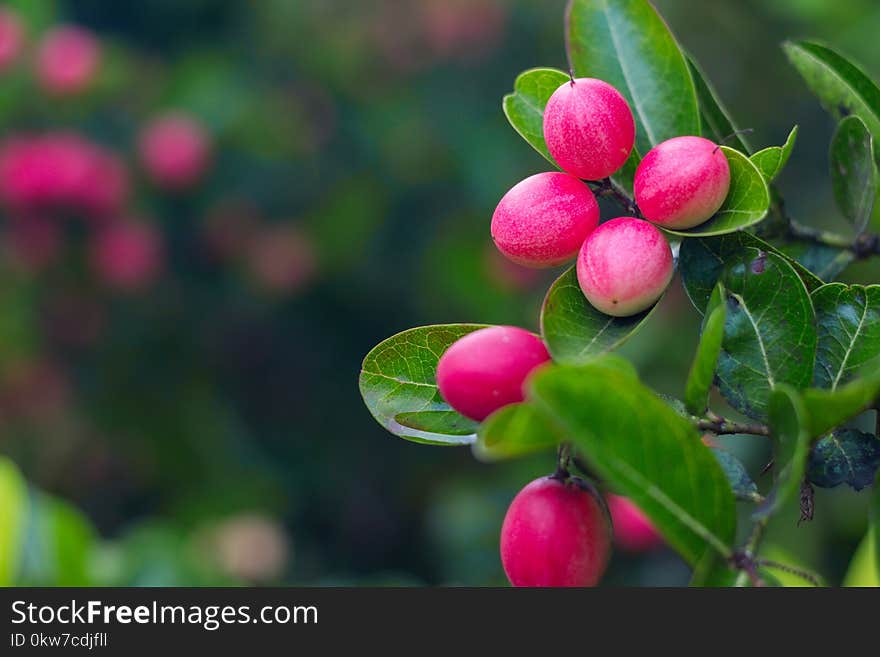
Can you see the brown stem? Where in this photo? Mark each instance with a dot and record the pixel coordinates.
(722, 427)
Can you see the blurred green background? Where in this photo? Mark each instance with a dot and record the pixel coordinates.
(206, 428)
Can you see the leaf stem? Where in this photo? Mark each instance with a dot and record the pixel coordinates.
(607, 188)
(865, 245)
(744, 559)
(721, 427)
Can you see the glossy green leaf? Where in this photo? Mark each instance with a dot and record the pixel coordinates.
(769, 333)
(702, 372)
(645, 450)
(716, 121)
(516, 430)
(864, 569)
(574, 331)
(826, 262)
(627, 44)
(398, 385)
(740, 482)
(524, 108)
(788, 421)
(771, 160)
(701, 263)
(842, 87)
(828, 409)
(13, 512)
(853, 171)
(848, 320)
(746, 204)
(845, 456)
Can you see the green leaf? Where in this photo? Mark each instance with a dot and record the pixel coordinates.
(769, 334)
(446, 422)
(848, 320)
(574, 331)
(841, 86)
(853, 171)
(516, 430)
(627, 44)
(702, 371)
(642, 448)
(13, 510)
(864, 569)
(702, 261)
(826, 262)
(398, 385)
(845, 456)
(740, 482)
(524, 108)
(828, 409)
(716, 121)
(746, 204)
(791, 447)
(771, 160)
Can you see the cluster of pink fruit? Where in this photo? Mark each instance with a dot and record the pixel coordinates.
(557, 531)
(46, 175)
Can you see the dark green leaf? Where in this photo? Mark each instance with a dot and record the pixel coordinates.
(771, 160)
(13, 511)
(828, 409)
(853, 171)
(845, 456)
(645, 450)
(848, 320)
(826, 262)
(627, 44)
(791, 447)
(841, 86)
(702, 371)
(716, 121)
(398, 383)
(746, 204)
(770, 332)
(516, 430)
(701, 262)
(524, 108)
(740, 482)
(574, 331)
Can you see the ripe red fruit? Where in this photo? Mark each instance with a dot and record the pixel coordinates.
(486, 369)
(68, 60)
(175, 150)
(589, 128)
(633, 531)
(543, 220)
(624, 266)
(556, 534)
(682, 182)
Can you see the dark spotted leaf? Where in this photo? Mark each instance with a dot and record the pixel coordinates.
(845, 456)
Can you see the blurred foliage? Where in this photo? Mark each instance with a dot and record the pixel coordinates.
(206, 428)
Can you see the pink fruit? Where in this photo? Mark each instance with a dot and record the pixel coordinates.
(11, 37)
(633, 531)
(67, 60)
(175, 150)
(624, 266)
(486, 369)
(127, 255)
(544, 219)
(589, 128)
(61, 170)
(556, 534)
(682, 182)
